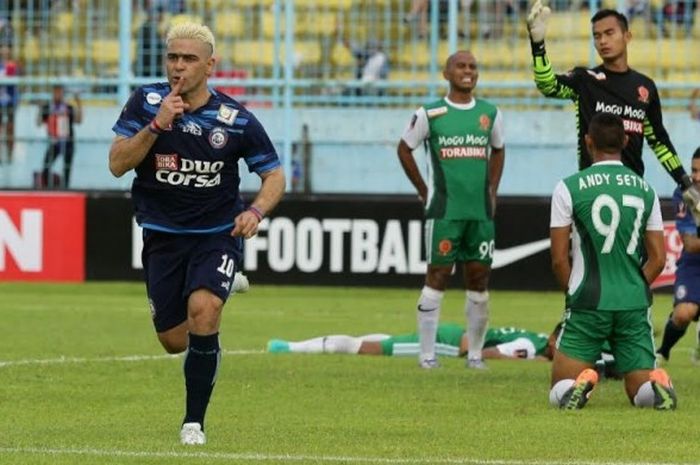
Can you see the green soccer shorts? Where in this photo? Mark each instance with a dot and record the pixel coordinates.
(629, 332)
(450, 241)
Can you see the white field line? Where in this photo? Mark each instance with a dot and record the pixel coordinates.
(287, 458)
(135, 358)
(121, 358)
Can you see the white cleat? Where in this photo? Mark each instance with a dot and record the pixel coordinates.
(477, 364)
(429, 364)
(240, 283)
(191, 434)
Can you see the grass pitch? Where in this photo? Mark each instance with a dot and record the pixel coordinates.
(84, 381)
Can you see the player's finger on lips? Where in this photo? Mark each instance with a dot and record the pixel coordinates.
(177, 87)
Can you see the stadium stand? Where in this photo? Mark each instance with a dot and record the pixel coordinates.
(78, 42)
(80, 38)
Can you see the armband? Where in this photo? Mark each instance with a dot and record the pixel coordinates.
(256, 212)
(154, 128)
(538, 49)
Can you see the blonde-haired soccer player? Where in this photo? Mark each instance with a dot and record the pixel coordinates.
(184, 141)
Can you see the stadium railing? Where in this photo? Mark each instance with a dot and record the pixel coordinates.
(287, 54)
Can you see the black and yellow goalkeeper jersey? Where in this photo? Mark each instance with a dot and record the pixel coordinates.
(630, 95)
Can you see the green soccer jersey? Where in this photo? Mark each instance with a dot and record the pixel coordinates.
(459, 144)
(498, 336)
(611, 208)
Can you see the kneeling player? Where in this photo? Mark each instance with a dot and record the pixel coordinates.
(613, 213)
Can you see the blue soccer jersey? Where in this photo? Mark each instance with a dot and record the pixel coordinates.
(189, 180)
(685, 225)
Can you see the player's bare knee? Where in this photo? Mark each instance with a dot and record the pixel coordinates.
(173, 345)
(438, 278)
(204, 319)
(683, 314)
(476, 276)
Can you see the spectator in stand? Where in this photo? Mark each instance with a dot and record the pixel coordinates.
(59, 116)
(679, 12)
(151, 44)
(693, 106)
(420, 12)
(9, 98)
(372, 66)
(170, 6)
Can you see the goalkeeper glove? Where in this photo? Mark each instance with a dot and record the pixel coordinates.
(691, 197)
(537, 21)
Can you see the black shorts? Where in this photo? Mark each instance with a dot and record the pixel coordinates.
(175, 265)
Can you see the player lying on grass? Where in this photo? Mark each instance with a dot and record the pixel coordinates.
(451, 340)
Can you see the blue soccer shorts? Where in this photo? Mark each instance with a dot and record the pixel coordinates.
(175, 265)
(685, 288)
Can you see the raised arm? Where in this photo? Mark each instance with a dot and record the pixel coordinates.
(548, 83)
(659, 141)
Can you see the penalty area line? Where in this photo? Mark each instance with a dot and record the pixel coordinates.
(230, 456)
(120, 358)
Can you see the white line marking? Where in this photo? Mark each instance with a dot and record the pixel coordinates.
(141, 358)
(122, 358)
(302, 458)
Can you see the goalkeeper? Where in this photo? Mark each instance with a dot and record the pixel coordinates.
(611, 87)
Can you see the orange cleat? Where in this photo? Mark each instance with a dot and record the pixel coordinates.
(664, 394)
(577, 396)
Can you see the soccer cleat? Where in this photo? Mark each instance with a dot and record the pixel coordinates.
(664, 394)
(577, 395)
(477, 364)
(429, 363)
(240, 283)
(278, 346)
(191, 434)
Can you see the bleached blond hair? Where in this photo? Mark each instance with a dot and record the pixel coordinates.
(191, 31)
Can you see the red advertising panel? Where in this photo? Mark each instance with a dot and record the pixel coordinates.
(42, 236)
(674, 247)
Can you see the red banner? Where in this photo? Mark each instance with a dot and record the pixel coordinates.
(42, 236)
(674, 247)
